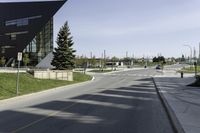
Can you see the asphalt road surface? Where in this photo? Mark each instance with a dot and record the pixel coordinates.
(123, 102)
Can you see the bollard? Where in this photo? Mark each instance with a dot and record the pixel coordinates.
(181, 74)
(195, 66)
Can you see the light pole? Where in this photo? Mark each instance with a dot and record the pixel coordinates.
(190, 54)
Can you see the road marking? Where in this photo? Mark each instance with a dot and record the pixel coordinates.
(39, 120)
(46, 117)
(88, 119)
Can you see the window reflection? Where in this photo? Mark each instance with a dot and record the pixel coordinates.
(42, 44)
(21, 21)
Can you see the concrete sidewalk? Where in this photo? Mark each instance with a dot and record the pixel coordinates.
(182, 102)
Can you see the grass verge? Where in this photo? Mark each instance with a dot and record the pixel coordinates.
(28, 84)
(190, 69)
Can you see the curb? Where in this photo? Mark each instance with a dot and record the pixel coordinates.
(45, 91)
(177, 127)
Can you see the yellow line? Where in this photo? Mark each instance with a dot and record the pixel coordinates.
(46, 117)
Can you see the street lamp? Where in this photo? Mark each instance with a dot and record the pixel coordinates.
(190, 53)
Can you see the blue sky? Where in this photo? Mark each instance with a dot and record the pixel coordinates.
(141, 27)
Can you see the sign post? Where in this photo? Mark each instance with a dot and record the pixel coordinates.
(19, 58)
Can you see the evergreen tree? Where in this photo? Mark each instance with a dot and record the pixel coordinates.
(2, 61)
(159, 59)
(26, 59)
(93, 61)
(115, 59)
(64, 57)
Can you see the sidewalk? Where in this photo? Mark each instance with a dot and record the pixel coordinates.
(182, 102)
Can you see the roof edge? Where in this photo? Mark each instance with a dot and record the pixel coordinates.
(37, 1)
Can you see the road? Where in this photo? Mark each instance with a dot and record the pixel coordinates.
(122, 102)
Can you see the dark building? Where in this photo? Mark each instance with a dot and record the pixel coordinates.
(27, 27)
(42, 43)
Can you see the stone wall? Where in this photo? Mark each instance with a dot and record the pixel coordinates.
(54, 74)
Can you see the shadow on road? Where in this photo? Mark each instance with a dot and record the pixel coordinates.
(126, 109)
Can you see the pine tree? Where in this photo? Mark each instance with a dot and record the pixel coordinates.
(64, 57)
(2, 61)
(26, 59)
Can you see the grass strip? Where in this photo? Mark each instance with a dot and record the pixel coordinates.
(29, 84)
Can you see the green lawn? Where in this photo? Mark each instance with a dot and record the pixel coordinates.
(190, 69)
(28, 84)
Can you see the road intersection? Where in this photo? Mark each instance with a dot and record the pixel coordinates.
(120, 102)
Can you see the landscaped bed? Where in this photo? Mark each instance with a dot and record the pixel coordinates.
(28, 84)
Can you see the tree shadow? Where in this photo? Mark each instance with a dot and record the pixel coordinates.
(144, 79)
(142, 88)
(124, 109)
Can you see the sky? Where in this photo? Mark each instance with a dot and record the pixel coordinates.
(140, 27)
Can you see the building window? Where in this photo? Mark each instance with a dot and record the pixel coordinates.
(42, 43)
(21, 21)
(17, 22)
(13, 37)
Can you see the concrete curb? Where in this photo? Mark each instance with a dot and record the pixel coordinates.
(177, 127)
(45, 91)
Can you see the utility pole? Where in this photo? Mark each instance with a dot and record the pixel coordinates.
(102, 61)
(194, 54)
(190, 54)
(199, 55)
(104, 58)
(91, 55)
(132, 61)
(104, 53)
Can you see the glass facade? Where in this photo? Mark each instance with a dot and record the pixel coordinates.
(21, 21)
(41, 45)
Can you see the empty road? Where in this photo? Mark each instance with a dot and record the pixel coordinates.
(122, 102)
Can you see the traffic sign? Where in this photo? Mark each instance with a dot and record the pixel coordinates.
(19, 56)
